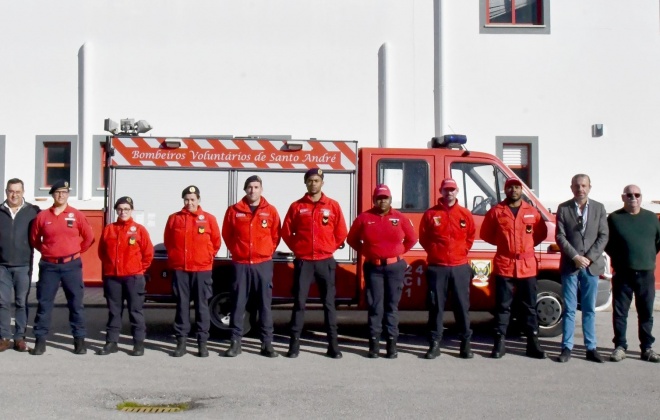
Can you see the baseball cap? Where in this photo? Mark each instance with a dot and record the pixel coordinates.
(382, 190)
(512, 181)
(448, 183)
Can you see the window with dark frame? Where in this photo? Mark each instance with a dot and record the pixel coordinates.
(517, 158)
(514, 12)
(57, 162)
(408, 180)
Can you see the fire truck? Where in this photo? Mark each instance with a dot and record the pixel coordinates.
(153, 170)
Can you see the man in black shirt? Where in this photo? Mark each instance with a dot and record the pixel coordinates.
(633, 244)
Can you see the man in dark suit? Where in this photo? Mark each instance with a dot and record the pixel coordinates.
(581, 234)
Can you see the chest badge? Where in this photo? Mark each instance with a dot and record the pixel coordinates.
(133, 229)
(201, 229)
(463, 223)
(131, 240)
(200, 217)
(528, 228)
(395, 222)
(326, 217)
(436, 220)
(264, 223)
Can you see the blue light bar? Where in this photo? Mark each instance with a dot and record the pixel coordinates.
(449, 141)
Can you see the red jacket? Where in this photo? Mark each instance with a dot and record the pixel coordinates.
(251, 237)
(447, 234)
(314, 230)
(381, 237)
(192, 240)
(62, 235)
(125, 249)
(515, 239)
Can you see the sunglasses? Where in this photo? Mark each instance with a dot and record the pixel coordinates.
(631, 195)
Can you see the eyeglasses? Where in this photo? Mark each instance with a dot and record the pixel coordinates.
(631, 195)
(123, 210)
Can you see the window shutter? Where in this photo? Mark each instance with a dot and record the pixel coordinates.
(515, 155)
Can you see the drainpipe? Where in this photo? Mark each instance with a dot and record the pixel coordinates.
(85, 128)
(439, 70)
(383, 75)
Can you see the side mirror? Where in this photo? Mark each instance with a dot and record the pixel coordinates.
(477, 200)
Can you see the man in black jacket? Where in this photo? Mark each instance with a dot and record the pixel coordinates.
(16, 216)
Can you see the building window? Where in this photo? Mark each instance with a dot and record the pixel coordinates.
(516, 157)
(57, 162)
(98, 165)
(56, 159)
(520, 154)
(514, 16)
(408, 181)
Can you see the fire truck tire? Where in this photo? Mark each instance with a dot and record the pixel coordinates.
(549, 308)
(220, 308)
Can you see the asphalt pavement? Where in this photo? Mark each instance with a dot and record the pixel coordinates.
(60, 384)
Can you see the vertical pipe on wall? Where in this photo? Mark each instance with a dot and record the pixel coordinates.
(382, 96)
(438, 71)
(85, 128)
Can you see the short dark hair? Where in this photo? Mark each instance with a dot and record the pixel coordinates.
(578, 176)
(15, 181)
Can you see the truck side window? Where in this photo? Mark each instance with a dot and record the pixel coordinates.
(481, 185)
(408, 180)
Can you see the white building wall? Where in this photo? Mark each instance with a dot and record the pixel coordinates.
(310, 69)
(599, 64)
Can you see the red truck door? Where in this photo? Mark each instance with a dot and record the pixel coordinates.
(410, 177)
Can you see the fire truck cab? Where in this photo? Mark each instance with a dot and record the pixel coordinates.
(154, 170)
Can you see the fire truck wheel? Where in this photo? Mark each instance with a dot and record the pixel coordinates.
(549, 308)
(220, 308)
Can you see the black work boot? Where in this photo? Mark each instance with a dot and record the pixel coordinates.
(138, 349)
(533, 348)
(391, 349)
(268, 350)
(374, 348)
(333, 349)
(110, 347)
(202, 350)
(79, 346)
(434, 350)
(39, 347)
(466, 349)
(294, 348)
(234, 349)
(180, 347)
(499, 348)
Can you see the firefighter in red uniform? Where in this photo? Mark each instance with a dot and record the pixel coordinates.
(192, 239)
(251, 230)
(447, 233)
(126, 252)
(382, 235)
(61, 234)
(314, 228)
(515, 227)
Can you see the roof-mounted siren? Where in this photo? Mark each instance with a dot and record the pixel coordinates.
(449, 141)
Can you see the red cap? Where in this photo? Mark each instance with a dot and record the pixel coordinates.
(448, 183)
(382, 190)
(512, 181)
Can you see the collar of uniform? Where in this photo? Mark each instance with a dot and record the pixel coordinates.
(376, 211)
(122, 222)
(244, 206)
(308, 198)
(442, 205)
(67, 209)
(197, 213)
